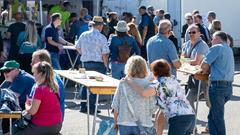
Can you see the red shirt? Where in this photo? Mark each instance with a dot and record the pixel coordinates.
(49, 112)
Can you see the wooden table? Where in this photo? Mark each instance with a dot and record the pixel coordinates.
(105, 87)
(193, 70)
(10, 116)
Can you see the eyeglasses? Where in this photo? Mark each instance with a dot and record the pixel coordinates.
(7, 70)
(192, 32)
(188, 19)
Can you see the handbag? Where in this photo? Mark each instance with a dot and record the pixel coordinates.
(23, 121)
(143, 130)
(106, 127)
(27, 47)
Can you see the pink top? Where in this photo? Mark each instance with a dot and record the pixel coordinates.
(49, 112)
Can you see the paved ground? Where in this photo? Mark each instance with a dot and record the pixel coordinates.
(76, 123)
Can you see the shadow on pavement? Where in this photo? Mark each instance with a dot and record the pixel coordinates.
(235, 98)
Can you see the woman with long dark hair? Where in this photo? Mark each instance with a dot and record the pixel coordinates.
(122, 46)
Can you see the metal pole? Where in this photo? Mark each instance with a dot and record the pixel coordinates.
(199, 89)
(95, 115)
(10, 126)
(88, 111)
(41, 12)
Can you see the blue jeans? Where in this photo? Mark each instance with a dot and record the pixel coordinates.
(93, 66)
(129, 130)
(55, 60)
(219, 93)
(118, 71)
(181, 125)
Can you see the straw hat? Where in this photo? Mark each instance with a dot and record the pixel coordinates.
(97, 20)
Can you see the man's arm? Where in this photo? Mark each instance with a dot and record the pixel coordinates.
(64, 42)
(105, 60)
(53, 43)
(79, 50)
(145, 29)
(115, 117)
(197, 60)
(177, 64)
(205, 68)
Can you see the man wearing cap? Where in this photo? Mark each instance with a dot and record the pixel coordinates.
(93, 47)
(117, 40)
(19, 82)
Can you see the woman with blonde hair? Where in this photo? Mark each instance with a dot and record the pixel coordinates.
(135, 33)
(136, 69)
(28, 42)
(170, 97)
(45, 105)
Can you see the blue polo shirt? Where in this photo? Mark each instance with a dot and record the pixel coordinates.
(160, 47)
(146, 21)
(116, 41)
(51, 31)
(22, 85)
(221, 61)
(200, 48)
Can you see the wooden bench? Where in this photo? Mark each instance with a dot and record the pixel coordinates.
(10, 116)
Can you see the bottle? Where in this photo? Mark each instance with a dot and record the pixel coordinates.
(76, 40)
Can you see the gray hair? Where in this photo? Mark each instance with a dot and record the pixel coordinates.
(164, 26)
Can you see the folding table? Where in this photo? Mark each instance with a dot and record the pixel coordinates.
(105, 87)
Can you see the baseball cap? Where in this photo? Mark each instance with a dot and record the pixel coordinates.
(10, 65)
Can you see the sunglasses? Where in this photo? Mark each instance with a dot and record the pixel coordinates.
(192, 32)
(7, 70)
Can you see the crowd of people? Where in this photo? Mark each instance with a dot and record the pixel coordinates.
(128, 50)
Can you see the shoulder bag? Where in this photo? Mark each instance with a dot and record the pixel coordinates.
(143, 130)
